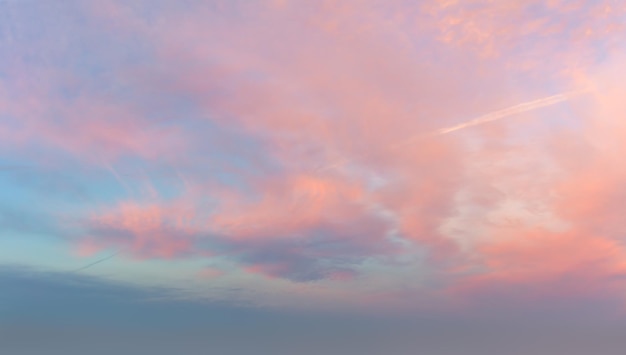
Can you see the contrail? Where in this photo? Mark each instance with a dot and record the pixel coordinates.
(96, 262)
(513, 110)
(117, 177)
(493, 116)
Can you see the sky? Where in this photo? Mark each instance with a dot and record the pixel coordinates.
(437, 177)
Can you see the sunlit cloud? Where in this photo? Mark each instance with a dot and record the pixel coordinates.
(308, 144)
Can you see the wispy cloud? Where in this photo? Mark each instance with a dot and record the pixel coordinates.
(196, 132)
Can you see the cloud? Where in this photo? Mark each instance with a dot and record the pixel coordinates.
(522, 31)
(571, 246)
(60, 92)
(510, 111)
(62, 313)
(298, 233)
(145, 231)
(265, 135)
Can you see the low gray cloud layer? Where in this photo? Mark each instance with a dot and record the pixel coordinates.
(61, 313)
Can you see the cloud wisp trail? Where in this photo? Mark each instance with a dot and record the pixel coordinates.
(96, 262)
(513, 110)
(492, 116)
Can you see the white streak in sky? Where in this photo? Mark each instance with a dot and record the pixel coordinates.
(493, 116)
(513, 110)
(118, 177)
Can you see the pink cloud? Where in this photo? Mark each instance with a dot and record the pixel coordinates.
(91, 127)
(144, 230)
(579, 187)
(287, 206)
(551, 266)
(210, 273)
(342, 101)
(527, 29)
